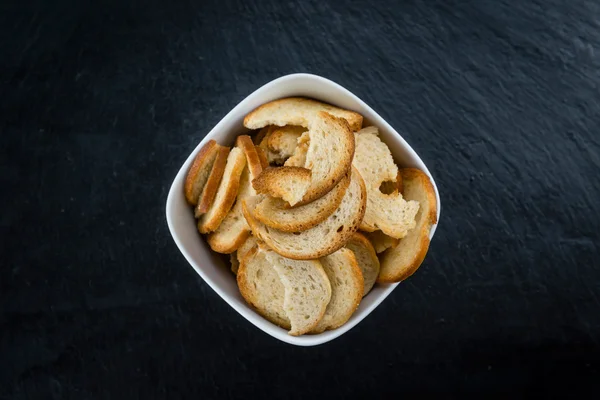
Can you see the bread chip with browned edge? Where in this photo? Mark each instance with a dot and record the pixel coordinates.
(322, 239)
(276, 213)
(198, 173)
(234, 230)
(226, 194)
(261, 287)
(287, 183)
(297, 111)
(307, 291)
(401, 262)
(347, 288)
(212, 184)
(390, 213)
(328, 157)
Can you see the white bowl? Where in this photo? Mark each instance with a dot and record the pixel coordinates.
(212, 267)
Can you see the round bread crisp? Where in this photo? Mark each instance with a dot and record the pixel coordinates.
(261, 287)
(322, 239)
(276, 213)
(297, 111)
(199, 171)
(346, 289)
(401, 262)
(307, 291)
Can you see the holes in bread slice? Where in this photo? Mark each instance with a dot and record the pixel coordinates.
(388, 187)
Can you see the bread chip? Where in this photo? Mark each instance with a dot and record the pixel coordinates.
(367, 259)
(209, 191)
(307, 291)
(329, 158)
(320, 240)
(198, 173)
(276, 213)
(261, 287)
(388, 212)
(347, 286)
(234, 230)
(287, 183)
(401, 262)
(226, 194)
(297, 111)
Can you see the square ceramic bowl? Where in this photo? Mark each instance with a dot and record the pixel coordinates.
(214, 268)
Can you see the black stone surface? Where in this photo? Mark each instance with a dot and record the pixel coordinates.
(101, 102)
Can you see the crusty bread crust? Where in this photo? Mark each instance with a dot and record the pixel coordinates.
(233, 230)
(226, 194)
(196, 176)
(335, 134)
(399, 263)
(324, 238)
(276, 213)
(297, 111)
(212, 184)
(253, 162)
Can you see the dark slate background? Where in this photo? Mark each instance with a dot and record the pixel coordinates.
(101, 103)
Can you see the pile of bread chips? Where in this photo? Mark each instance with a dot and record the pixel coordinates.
(313, 211)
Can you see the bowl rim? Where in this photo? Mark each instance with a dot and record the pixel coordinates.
(253, 317)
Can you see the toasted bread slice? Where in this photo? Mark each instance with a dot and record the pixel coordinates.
(307, 291)
(320, 240)
(401, 262)
(380, 241)
(287, 183)
(212, 183)
(275, 213)
(279, 143)
(261, 287)
(198, 173)
(329, 158)
(226, 194)
(367, 259)
(347, 286)
(297, 111)
(388, 212)
(234, 230)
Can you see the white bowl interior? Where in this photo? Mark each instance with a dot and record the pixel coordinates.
(214, 268)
